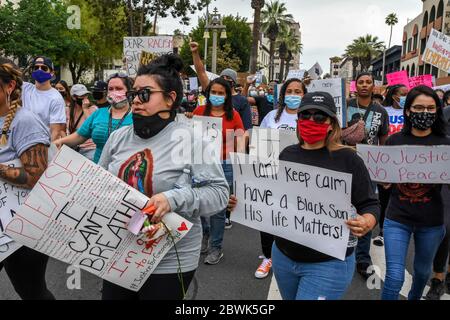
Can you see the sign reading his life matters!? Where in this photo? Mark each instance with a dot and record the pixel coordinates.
(407, 164)
(335, 87)
(134, 46)
(304, 204)
(78, 213)
(268, 143)
(437, 51)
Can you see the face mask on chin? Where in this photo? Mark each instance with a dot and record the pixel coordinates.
(147, 127)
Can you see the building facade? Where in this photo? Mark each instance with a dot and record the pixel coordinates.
(435, 15)
(393, 62)
(335, 66)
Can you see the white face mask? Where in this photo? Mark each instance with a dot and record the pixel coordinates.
(117, 99)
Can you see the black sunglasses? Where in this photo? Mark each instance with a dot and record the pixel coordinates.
(143, 94)
(42, 67)
(318, 116)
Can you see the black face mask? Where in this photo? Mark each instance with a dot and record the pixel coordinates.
(98, 95)
(147, 127)
(422, 120)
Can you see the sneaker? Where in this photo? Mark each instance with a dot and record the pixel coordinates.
(378, 241)
(214, 256)
(228, 224)
(205, 244)
(436, 291)
(447, 282)
(264, 269)
(362, 268)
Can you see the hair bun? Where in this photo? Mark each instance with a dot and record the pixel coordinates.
(171, 61)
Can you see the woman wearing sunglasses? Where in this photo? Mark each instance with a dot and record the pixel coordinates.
(173, 184)
(415, 209)
(284, 118)
(103, 122)
(219, 103)
(303, 273)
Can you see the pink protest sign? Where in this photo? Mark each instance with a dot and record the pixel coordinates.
(426, 80)
(400, 77)
(353, 86)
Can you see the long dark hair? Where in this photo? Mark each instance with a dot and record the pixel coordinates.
(281, 104)
(439, 126)
(166, 72)
(228, 106)
(393, 90)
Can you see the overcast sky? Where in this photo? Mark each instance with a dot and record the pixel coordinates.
(327, 26)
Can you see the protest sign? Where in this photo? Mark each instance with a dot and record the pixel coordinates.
(297, 74)
(209, 129)
(268, 143)
(437, 51)
(146, 58)
(8, 249)
(335, 87)
(444, 88)
(193, 84)
(425, 80)
(78, 213)
(353, 86)
(152, 46)
(399, 77)
(315, 72)
(407, 164)
(211, 76)
(378, 83)
(304, 204)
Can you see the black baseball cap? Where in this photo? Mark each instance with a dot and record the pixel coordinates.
(45, 61)
(100, 86)
(322, 101)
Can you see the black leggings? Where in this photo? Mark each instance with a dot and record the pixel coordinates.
(26, 270)
(266, 244)
(383, 195)
(157, 287)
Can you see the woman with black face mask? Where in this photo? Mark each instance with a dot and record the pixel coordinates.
(156, 156)
(415, 209)
(64, 90)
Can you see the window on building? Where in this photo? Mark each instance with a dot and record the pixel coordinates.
(409, 45)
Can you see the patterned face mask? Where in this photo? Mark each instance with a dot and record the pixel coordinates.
(422, 120)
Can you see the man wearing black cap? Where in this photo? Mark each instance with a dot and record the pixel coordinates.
(44, 100)
(99, 91)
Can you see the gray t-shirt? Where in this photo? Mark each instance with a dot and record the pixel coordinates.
(26, 130)
(152, 166)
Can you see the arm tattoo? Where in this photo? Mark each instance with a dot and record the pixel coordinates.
(34, 161)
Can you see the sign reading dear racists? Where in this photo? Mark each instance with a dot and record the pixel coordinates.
(134, 46)
(304, 204)
(407, 164)
(78, 213)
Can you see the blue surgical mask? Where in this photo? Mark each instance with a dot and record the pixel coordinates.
(270, 98)
(217, 101)
(293, 102)
(402, 102)
(41, 76)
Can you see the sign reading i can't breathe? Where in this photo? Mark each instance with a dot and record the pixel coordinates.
(304, 204)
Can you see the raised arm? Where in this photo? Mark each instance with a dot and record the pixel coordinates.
(198, 64)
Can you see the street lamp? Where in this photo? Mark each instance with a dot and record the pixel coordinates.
(215, 24)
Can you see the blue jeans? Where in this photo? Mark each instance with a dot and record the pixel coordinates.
(216, 226)
(396, 241)
(327, 280)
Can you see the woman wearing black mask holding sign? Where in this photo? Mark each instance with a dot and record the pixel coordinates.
(415, 209)
(172, 181)
(303, 273)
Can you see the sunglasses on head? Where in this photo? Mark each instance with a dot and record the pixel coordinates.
(143, 95)
(118, 75)
(318, 116)
(43, 67)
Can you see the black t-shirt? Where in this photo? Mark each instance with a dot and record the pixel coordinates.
(242, 106)
(377, 123)
(264, 107)
(416, 204)
(447, 118)
(363, 196)
(103, 105)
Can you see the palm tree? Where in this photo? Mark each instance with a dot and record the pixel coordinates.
(274, 19)
(288, 44)
(391, 21)
(363, 50)
(257, 5)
